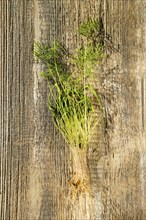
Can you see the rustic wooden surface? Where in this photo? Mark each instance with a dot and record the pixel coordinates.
(35, 160)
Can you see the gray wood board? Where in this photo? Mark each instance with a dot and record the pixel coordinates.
(35, 160)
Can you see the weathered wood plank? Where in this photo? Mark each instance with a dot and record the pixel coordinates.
(16, 106)
(35, 161)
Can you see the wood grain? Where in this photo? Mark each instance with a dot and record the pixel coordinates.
(35, 161)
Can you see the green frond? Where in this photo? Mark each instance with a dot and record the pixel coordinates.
(90, 28)
(70, 94)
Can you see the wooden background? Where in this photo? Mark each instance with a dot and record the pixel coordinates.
(35, 161)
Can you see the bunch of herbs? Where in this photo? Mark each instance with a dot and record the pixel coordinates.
(70, 93)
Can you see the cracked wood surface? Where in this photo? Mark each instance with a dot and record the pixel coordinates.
(35, 160)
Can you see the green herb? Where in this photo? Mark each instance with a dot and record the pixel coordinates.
(71, 96)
